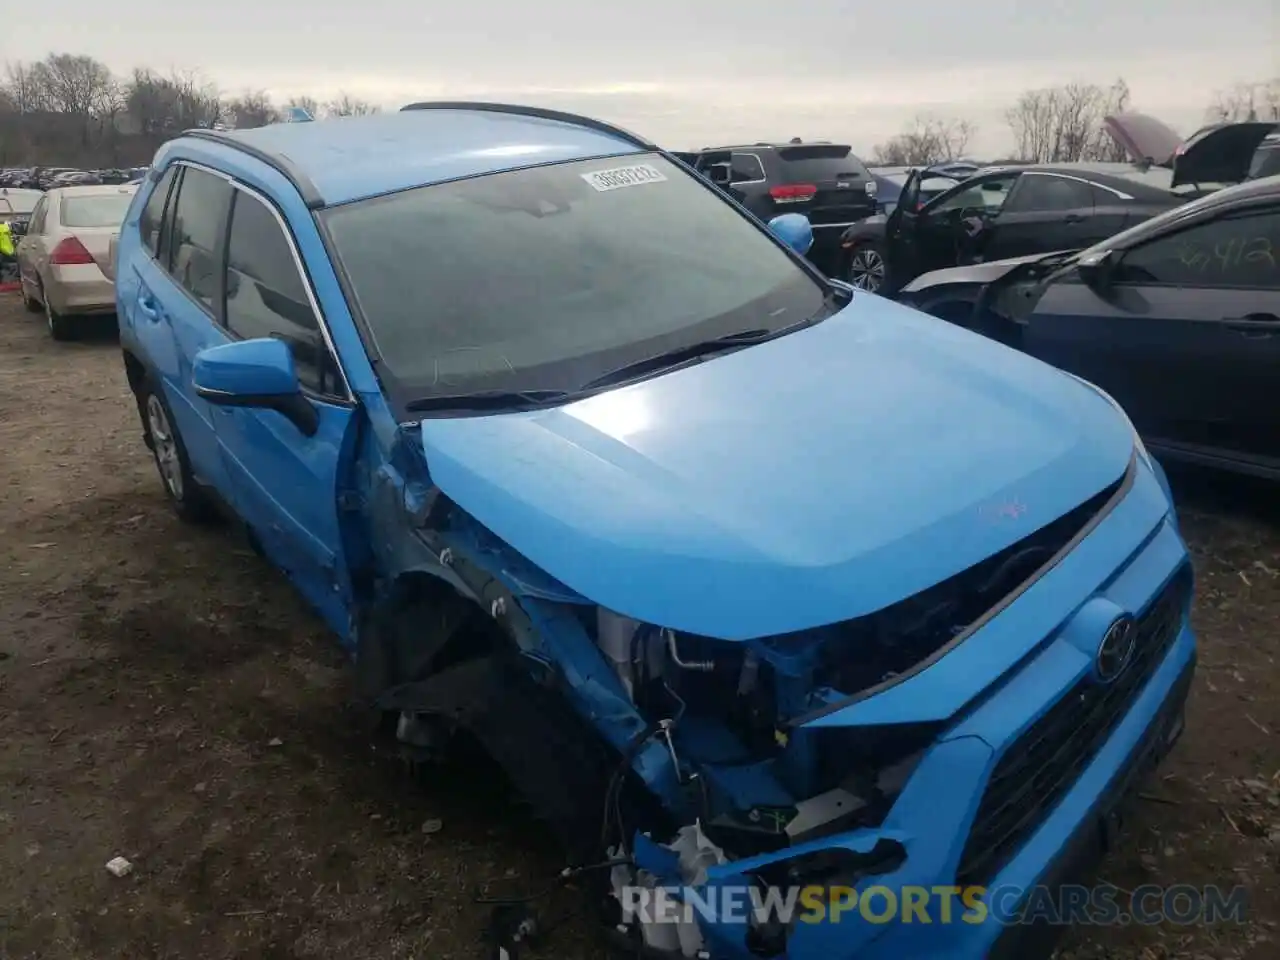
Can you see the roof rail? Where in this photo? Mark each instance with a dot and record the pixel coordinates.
(538, 112)
(278, 162)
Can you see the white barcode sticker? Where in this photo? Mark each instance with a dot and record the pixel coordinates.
(616, 178)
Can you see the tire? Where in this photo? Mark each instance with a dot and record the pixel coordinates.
(186, 496)
(867, 268)
(61, 326)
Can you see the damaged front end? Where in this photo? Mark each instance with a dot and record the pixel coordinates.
(676, 759)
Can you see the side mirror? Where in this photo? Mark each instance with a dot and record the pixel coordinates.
(18, 228)
(1097, 270)
(795, 230)
(254, 373)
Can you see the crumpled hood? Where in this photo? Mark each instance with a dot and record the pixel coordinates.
(814, 478)
(983, 273)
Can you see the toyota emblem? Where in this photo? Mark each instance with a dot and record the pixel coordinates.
(1116, 649)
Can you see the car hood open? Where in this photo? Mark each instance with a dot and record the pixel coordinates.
(816, 477)
(1216, 154)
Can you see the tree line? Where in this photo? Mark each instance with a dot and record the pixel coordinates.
(71, 110)
(1063, 124)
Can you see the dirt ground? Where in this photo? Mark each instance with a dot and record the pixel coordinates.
(166, 698)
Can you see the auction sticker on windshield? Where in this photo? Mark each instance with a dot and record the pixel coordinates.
(617, 177)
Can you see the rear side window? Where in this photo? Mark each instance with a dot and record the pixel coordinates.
(1039, 193)
(199, 216)
(153, 212)
(817, 162)
(1266, 161)
(266, 294)
(107, 210)
(746, 168)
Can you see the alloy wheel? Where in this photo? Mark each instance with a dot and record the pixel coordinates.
(866, 269)
(165, 445)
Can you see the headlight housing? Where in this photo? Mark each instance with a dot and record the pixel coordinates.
(1138, 445)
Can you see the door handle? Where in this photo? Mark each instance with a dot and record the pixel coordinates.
(1254, 326)
(147, 307)
(1073, 218)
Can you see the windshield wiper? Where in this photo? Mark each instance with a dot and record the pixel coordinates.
(682, 354)
(489, 400)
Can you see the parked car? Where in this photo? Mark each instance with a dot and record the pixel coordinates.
(1177, 318)
(824, 181)
(995, 214)
(17, 203)
(1220, 153)
(705, 548)
(64, 256)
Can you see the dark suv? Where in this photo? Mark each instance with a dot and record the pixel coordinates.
(824, 181)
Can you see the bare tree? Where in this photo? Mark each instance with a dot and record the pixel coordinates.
(927, 140)
(253, 108)
(1259, 100)
(1064, 124)
(24, 89)
(345, 105)
(160, 106)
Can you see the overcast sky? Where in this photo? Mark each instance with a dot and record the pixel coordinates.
(690, 73)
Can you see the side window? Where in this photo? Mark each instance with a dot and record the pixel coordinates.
(1040, 192)
(746, 167)
(199, 215)
(989, 195)
(153, 212)
(1233, 251)
(267, 296)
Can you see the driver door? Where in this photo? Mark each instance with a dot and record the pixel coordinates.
(949, 230)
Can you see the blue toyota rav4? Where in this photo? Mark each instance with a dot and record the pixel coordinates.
(578, 458)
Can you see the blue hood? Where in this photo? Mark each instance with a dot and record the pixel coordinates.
(814, 478)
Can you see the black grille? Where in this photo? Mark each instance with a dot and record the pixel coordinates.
(1041, 766)
(859, 655)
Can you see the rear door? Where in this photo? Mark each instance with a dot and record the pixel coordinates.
(1045, 212)
(1186, 337)
(172, 296)
(30, 248)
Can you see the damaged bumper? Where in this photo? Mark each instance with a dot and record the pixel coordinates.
(1021, 793)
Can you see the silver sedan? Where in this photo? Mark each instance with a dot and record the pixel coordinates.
(64, 258)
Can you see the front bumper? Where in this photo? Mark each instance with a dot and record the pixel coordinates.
(942, 804)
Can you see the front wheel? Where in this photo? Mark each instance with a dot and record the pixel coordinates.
(867, 268)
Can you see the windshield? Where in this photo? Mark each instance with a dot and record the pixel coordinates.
(19, 202)
(104, 210)
(547, 277)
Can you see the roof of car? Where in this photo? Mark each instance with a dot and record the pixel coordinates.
(762, 145)
(92, 190)
(351, 158)
(1147, 184)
